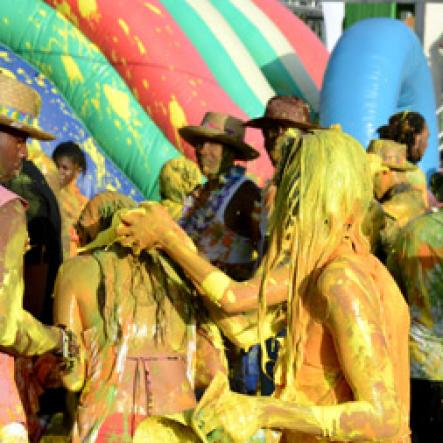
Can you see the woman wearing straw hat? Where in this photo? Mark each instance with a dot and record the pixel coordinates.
(20, 333)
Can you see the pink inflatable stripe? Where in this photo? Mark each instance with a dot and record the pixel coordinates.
(306, 44)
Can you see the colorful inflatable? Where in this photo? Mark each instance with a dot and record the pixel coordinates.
(57, 118)
(135, 73)
(377, 69)
(154, 62)
(92, 87)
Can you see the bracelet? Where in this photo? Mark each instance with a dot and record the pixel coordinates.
(69, 348)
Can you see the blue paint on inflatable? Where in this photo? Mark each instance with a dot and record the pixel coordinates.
(57, 118)
(378, 68)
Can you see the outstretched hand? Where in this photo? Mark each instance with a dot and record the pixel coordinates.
(225, 415)
(149, 226)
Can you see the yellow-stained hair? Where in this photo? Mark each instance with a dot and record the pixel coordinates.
(324, 190)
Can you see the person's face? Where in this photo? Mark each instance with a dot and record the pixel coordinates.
(67, 169)
(421, 143)
(270, 135)
(13, 151)
(211, 158)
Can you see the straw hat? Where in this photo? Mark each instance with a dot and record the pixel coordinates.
(393, 154)
(221, 128)
(20, 107)
(287, 111)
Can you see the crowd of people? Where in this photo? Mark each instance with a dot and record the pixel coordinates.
(307, 310)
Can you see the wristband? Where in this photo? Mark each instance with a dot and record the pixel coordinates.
(69, 349)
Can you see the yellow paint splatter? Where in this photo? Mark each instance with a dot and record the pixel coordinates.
(8, 73)
(145, 83)
(72, 70)
(5, 20)
(87, 8)
(64, 10)
(215, 285)
(40, 80)
(98, 159)
(153, 8)
(140, 45)
(124, 26)
(230, 297)
(96, 103)
(119, 101)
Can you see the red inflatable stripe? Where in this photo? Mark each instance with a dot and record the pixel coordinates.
(160, 65)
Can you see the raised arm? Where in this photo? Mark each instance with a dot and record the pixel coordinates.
(155, 227)
(20, 332)
(355, 322)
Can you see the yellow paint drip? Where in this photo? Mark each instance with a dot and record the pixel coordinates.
(231, 297)
(153, 8)
(124, 26)
(177, 118)
(119, 101)
(215, 285)
(87, 8)
(140, 45)
(72, 70)
(145, 83)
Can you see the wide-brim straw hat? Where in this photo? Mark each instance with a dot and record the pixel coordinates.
(393, 154)
(287, 111)
(221, 128)
(20, 108)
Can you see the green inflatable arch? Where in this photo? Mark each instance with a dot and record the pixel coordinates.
(94, 90)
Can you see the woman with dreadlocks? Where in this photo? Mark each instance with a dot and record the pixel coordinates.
(342, 374)
(410, 128)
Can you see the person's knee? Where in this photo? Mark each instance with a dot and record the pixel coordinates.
(13, 433)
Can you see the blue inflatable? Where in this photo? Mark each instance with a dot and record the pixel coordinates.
(378, 68)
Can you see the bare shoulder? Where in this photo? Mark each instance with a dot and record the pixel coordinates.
(348, 278)
(78, 274)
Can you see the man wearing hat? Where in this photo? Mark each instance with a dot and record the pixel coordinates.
(282, 112)
(284, 116)
(20, 333)
(220, 220)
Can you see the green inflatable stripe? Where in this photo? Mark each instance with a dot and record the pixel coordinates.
(215, 56)
(259, 48)
(91, 86)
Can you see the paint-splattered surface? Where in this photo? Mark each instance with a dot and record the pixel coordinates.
(58, 118)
